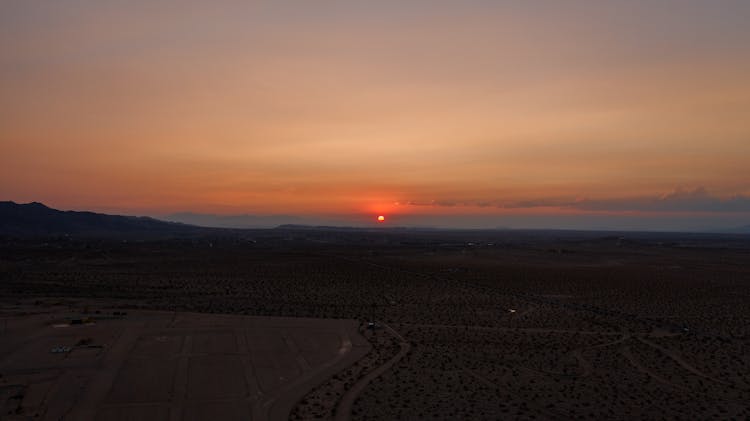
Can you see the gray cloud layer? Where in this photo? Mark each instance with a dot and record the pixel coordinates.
(679, 200)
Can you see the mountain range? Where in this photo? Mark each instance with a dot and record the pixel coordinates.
(36, 219)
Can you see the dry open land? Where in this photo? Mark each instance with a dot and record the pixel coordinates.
(103, 364)
(467, 325)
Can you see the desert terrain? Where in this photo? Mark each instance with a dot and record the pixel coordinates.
(440, 325)
(102, 364)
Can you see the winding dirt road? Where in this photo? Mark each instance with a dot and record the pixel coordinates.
(344, 408)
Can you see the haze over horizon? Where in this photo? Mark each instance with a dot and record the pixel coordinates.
(616, 115)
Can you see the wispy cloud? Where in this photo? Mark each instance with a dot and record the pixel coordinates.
(678, 200)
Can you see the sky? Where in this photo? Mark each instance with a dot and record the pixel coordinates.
(539, 114)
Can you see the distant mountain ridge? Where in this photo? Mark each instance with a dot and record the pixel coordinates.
(232, 221)
(248, 221)
(36, 219)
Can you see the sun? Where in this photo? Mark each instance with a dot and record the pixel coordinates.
(381, 218)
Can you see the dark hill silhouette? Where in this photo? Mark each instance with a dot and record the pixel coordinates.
(36, 219)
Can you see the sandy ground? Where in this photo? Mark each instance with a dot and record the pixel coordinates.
(153, 365)
(473, 325)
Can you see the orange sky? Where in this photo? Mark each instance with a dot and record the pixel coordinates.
(351, 107)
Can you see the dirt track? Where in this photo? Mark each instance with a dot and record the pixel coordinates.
(344, 409)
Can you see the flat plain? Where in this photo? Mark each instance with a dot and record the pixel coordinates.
(465, 325)
(152, 365)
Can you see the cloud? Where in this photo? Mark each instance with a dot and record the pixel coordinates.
(678, 200)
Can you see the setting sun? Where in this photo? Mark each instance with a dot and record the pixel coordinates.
(381, 218)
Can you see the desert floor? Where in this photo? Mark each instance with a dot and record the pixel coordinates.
(108, 364)
(468, 325)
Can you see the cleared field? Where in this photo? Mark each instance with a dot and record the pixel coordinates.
(150, 365)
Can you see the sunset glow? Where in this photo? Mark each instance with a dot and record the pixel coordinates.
(449, 113)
